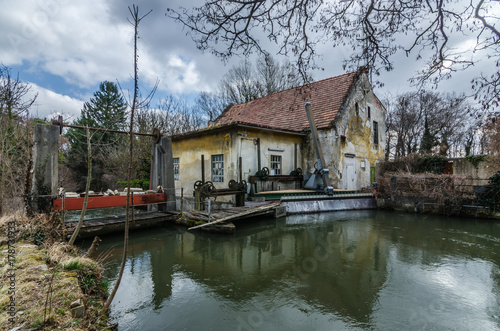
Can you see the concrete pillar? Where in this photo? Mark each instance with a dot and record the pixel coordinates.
(44, 179)
(162, 172)
(394, 188)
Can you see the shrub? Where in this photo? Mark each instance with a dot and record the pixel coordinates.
(415, 163)
(434, 164)
(491, 197)
(142, 183)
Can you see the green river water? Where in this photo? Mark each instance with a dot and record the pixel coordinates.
(357, 270)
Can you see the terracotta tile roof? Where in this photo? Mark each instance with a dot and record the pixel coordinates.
(285, 110)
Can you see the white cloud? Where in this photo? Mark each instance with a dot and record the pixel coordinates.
(176, 75)
(87, 42)
(49, 104)
(92, 41)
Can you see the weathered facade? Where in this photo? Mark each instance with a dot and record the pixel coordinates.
(232, 152)
(274, 132)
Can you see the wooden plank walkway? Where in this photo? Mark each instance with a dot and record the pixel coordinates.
(226, 215)
(219, 218)
(105, 225)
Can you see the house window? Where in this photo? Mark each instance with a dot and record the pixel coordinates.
(276, 164)
(369, 112)
(375, 133)
(218, 168)
(176, 168)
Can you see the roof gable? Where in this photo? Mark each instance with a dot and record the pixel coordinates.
(285, 110)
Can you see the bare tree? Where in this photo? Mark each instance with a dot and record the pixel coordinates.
(136, 19)
(492, 132)
(171, 116)
(239, 84)
(87, 189)
(211, 105)
(277, 76)
(245, 82)
(13, 95)
(15, 134)
(437, 120)
(375, 30)
(177, 116)
(404, 124)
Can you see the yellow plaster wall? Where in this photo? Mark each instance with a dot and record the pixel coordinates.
(358, 133)
(189, 151)
(232, 143)
(239, 141)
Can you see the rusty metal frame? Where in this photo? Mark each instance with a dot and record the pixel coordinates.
(156, 134)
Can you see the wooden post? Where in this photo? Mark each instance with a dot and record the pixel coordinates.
(63, 197)
(182, 201)
(240, 199)
(197, 200)
(258, 154)
(203, 169)
(133, 213)
(240, 168)
(295, 157)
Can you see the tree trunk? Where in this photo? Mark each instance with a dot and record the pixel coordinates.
(136, 19)
(93, 247)
(87, 189)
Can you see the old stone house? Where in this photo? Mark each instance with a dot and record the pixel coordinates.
(274, 132)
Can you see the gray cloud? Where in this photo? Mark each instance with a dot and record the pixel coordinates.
(85, 43)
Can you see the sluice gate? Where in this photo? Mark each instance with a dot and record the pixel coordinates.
(307, 205)
(307, 201)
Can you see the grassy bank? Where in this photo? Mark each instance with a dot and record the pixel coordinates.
(46, 284)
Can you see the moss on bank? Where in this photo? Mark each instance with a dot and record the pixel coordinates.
(55, 287)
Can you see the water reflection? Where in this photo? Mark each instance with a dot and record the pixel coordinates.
(366, 270)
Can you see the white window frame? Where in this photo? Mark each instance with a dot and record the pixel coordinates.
(276, 164)
(218, 168)
(176, 168)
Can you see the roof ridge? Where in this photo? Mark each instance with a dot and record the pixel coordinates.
(297, 87)
(280, 110)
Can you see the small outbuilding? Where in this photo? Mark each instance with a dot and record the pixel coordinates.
(274, 132)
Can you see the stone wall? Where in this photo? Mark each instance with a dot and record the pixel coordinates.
(430, 193)
(479, 174)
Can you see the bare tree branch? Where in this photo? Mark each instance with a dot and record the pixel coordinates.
(375, 30)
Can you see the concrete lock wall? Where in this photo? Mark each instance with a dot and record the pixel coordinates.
(479, 173)
(44, 183)
(162, 172)
(45, 164)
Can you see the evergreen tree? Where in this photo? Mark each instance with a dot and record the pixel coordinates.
(428, 141)
(107, 110)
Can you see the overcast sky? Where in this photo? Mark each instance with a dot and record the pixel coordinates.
(66, 48)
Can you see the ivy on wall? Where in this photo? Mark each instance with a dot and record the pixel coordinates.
(476, 159)
(491, 197)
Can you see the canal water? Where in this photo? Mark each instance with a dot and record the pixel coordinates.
(357, 270)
